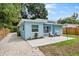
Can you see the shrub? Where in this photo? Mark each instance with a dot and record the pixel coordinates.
(1, 25)
(18, 32)
(41, 37)
(15, 29)
(12, 28)
(50, 35)
(29, 38)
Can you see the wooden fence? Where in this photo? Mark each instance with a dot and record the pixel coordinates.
(4, 32)
(70, 30)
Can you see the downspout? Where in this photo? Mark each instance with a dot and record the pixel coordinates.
(51, 28)
(24, 30)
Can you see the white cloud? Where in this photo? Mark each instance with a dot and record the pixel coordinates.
(49, 6)
(65, 16)
(51, 12)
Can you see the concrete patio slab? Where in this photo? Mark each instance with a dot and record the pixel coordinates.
(47, 40)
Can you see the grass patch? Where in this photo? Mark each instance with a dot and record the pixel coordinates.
(65, 48)
(68, 42)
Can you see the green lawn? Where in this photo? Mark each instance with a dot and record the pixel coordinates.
(68, 42)
(69, 47)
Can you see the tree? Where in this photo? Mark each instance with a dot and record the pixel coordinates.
(34, 10)
(10, 14)
(70, 20)
(75, 15)
(59, 21)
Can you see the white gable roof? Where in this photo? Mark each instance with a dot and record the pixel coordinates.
(36, 20)
(31, 20)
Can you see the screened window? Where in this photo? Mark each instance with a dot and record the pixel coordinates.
(34, 28)
(47, 29)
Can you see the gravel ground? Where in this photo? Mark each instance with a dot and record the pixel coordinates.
(13, 46)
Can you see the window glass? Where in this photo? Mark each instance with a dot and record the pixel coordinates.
(46, 29)
(34, 28)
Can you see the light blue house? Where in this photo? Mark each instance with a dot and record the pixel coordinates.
(39, 27)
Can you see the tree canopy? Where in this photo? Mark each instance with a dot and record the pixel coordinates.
(34, 10)
(10, 14)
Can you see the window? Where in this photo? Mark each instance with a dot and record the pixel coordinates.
(34, 28)
(46, 29)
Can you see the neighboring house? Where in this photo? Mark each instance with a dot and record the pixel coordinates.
(38, 27)
(70, 25)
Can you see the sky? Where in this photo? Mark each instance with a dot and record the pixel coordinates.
(61, 10)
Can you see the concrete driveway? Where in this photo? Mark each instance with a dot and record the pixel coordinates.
(15, 46)
(47, 40)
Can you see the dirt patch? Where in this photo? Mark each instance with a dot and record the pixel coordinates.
(66, 50)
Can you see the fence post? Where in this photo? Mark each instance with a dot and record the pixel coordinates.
(66, 33)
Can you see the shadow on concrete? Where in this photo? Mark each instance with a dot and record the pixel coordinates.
(15, 38)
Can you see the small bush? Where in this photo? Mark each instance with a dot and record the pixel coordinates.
(18, 33)
(50, 35)
(12, 28)
(41, 37)
(1, 25)
(29, 38)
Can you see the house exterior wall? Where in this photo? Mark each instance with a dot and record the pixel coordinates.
(54, 29)
(57, 29)
(22, 31)
(28, 30)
